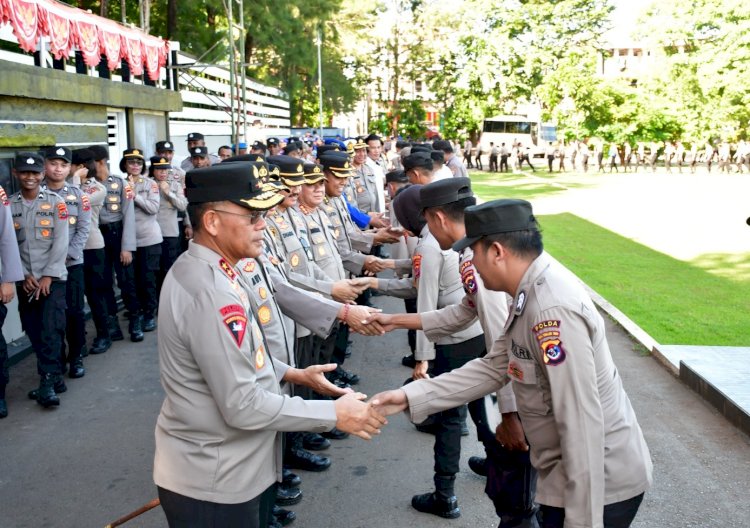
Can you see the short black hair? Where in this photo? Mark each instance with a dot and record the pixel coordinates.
(196, 211)
(454, 210)
(526, 243)
(225, 147)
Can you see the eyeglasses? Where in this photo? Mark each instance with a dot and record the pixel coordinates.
(254, 217)
(134, 162)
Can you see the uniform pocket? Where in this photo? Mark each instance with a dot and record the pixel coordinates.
(44, 228)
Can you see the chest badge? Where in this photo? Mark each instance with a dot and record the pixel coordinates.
(520, 302)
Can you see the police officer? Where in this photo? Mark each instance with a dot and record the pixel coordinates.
(57, 168)
(451, 161)
(117, 224)
(165, 149)
(197, 140)
(273, 145)
(40, 219)
(593, 462)
(172, 202)
(95, 281)
(419, 168)
(221, 384)
(436, 283)
(507, 460)
(11, 271)
(364, 182)
(148, 242)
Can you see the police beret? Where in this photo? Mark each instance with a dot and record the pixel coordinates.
(159, 162)
(195, 136)
(445, 191)
(233, 182)
(29, 162)
(100, 152)
(290, 169)
(200, 152)
(63, 153)
(407, 210)
(396, 176)
(313, 173)
(163, 146)
(81, 156)
(497, 216)
(418, 159)
(272, 141)
(337, 163)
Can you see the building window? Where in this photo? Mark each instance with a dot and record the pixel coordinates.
(418, 86)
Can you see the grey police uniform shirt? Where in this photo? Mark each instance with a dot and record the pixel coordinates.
(436, 283)
(217, 432)
(11, 269)
(187, 163)
(79, 220)
(364, 185)
(96, 193)
(348, 235)
(352, 260)
(42, 234)
(118, 207)
(457, 167)
(585, 439)
(170, 203)
(323, 244)
(490, 307)
(147, 230)
(309, 275)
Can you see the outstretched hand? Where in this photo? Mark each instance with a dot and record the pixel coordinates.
(314, 377)
(390, 402)
(356, 317)
(355, 416)
(383, 319)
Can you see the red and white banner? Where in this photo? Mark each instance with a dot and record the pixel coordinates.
(70, 29)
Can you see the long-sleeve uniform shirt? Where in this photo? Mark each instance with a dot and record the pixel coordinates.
(490, 307)
(97, 194)
(170, 203)
(351, 241)
(11, 269)
(217, 433)
(79, 220)
(585, 440)
(118, 207)
(436, 283)
(364, 187)
(323, 244)
(147, 231)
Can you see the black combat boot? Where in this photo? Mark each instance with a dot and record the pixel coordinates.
(46, 396)
(115, 333)
(149, 323)
(135, 328)
(76, 369)
(59, 387)
(442, 502)
(101, 344)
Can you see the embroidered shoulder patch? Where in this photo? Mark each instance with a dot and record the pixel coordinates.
(154, 188)
(235, 320)
(417, 265)
(227, 269)
(547, 334)
(468, 278)
(62, 211)
(554, 353)
(129, 194)
(4, 197)
(86, 203)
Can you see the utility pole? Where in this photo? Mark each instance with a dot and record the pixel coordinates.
(319, 42)
(243, 75)
(232, 78)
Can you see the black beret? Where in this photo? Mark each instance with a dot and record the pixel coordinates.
(200, 152)
(497, 216)
(162, 146)
(290, 169)
(445, 191)
(63, 153)
(29, 162)
(437, 155)
(407, 210)
(419, 159)
(100, 152)
(396, 176)
(194, 136)
(81, 156)
(233, 182)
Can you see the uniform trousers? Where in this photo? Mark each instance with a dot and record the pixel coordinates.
(75, 328)
(146, 262)
(170, 250)
(447, 447)
(4, 375)
(511, 486)
(304, 356)
(504, 163)
(43, 320)
(186, 512)
(112, 234)
(97, 284)
(493, 162)
(410, 305)
(341, 343)
(616, 515)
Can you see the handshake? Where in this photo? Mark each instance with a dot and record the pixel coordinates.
(365, 419)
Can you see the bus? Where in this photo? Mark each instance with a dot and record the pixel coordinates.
(510, 129)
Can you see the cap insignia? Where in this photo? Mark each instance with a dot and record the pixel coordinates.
(60, 152)
(30, 161)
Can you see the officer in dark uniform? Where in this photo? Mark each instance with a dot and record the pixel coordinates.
(57, 168)
(273, 145)
(117, 224)
(40, 219)
(11, 272)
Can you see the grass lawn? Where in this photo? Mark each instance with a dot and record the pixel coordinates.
(674, 301)
(494, 185)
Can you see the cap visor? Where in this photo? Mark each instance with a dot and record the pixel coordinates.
(464, 243)
(292, 183)
(314, 179)
(260, 202)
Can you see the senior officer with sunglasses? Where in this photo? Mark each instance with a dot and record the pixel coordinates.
(218, 451)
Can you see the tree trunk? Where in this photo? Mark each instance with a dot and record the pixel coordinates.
(210, 16)
(104, 8)
(171, 19)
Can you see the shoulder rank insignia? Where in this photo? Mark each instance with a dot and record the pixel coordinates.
(227, 269)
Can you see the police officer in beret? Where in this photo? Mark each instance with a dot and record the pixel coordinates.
(418, 167)
(40, 219)
(593, 462)
(57, 167)
(11, 271)
(197, 140)
(274, 146)
(221, 382)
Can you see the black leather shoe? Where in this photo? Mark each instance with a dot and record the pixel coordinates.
(301, 459)
(283, 517)
(101, 345)
(149, 323)
(115, 332)
(335, 434)
(76, 369)
(345, 376)
(315, 442)
(135, 328)
(59, 387)
(288, 496)
(478, 465)
(341, 384)
(289, 479)
(46, 396)
(436, 505)
(3, 409)
(409, 361)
